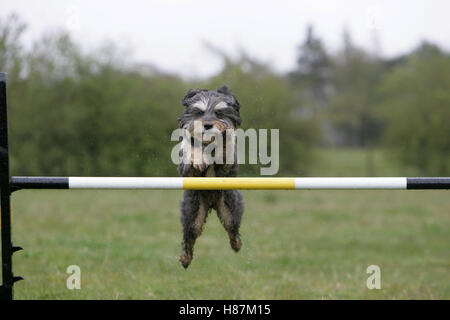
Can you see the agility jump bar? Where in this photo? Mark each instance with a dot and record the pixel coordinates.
(198, 183)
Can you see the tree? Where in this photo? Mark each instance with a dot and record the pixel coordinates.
(80, 113)
(11, 56)
(353, 106)
(417, 109)
(313, 73)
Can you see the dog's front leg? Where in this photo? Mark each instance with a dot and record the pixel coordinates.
(230, 157)
(193, 160)
(200, 161)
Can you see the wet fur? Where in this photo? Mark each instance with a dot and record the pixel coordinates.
(197, 204)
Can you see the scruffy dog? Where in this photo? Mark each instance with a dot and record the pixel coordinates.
(214, 112)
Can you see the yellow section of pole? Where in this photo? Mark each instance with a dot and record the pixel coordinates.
(238, 183)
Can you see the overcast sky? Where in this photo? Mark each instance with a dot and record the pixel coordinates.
(171, 33)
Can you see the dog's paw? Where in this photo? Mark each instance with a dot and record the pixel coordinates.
(199, 160)
(200, 166)
(185, 259)
(236, 243)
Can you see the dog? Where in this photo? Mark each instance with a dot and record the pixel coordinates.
(215, 112)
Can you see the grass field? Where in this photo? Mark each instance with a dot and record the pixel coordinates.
(297, 244)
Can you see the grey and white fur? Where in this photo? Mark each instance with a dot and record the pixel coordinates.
(218, 112)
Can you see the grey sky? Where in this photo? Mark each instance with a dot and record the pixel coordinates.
(171, 33)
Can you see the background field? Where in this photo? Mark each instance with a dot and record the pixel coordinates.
(297, 244)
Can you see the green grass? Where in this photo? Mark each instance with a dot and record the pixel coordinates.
(297, 244)
(354, 162)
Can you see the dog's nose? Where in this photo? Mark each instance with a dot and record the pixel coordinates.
(207, 125)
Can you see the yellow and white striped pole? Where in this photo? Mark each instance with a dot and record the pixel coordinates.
(218, 183)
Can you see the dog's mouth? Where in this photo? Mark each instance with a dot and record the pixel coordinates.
(208, 136)
(205, 136)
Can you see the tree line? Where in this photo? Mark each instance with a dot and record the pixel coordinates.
(97, 113)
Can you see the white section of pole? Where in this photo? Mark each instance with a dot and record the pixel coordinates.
(125, 183)
(350, 183)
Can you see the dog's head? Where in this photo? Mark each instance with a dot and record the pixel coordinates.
(211, 112)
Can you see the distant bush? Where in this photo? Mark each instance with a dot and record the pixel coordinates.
(417, 108)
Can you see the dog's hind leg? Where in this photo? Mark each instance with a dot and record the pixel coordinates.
(229, 210)
(193, 215)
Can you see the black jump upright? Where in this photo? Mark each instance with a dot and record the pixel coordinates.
(8, 249)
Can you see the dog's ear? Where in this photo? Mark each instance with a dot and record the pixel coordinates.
(226, 91)
(187, 100)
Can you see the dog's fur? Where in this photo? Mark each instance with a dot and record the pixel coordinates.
(217, 111)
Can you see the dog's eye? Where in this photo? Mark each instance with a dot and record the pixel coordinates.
(219, 113)
(197, 111)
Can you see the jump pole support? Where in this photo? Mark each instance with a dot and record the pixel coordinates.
(10, 184)
(8, 249)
